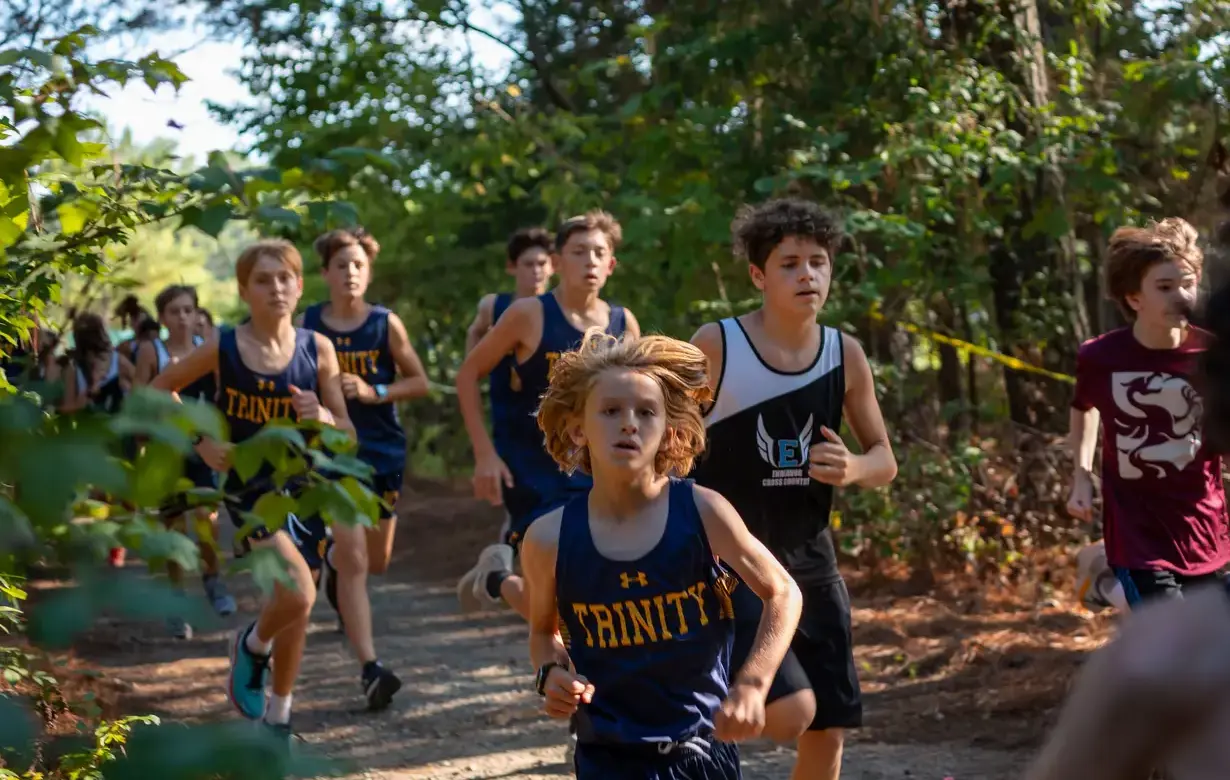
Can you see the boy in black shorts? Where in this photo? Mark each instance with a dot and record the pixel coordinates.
(782, 384)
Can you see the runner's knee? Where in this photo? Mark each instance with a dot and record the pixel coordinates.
(349, 556)
(788, 718)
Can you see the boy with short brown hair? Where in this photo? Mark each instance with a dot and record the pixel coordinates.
(1164, 508)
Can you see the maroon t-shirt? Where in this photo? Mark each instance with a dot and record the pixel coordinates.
(1163, 502)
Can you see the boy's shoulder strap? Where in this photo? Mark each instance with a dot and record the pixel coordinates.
(311, 316)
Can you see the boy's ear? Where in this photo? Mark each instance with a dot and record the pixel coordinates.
(757, 274)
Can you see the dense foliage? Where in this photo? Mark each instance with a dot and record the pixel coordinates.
(68, 494)
(980, 153)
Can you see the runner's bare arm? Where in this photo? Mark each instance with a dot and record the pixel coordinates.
(709, 340)
(632, 327)
(783, 602)
(329, 377)
(412, 380)
(482, 321)
(128, 373)
(196, 364)
(1164, 680)
(876, 466)
(538, 553)
(1083, 438)
(504, 338)
(147, 364)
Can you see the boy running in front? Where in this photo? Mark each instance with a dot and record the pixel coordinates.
(372, 349)
(633, 570)
(268, 369)
(782, 385)
(1164, 507)
(536, 331)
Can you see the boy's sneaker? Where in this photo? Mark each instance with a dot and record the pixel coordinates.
(379, 685)
(472, 587)
(221, 600)
(179, 628)
(245, 686)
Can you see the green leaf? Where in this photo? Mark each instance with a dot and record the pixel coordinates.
(267, 567)
(213, 219)
(62, 616)
(157, 470)
(246, 459)
(17, 725)
(272, 509)
(278, 215)
(72, 218)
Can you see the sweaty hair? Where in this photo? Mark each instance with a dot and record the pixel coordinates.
(757, 230)
(130, 311)
(169, 294)
(526, 239)
(590, 220)
(279, 249)
(90, 338)
(147, 330)
(335, 241)
(1133, 251)
(678, 367)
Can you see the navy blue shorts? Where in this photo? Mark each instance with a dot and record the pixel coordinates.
(715, 761)
(1142, 585)
(520, 521)
(310, 535)
(388, 488)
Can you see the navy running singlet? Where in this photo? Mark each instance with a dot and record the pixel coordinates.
(365, 353)
(249, 400)
(539, 485)
(653, 635)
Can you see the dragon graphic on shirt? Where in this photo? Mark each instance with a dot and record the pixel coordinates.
(1158, 428)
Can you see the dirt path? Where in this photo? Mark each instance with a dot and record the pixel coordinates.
(466, 711)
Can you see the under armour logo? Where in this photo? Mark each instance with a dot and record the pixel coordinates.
(343, 341)
(625, 581)
(264, 385)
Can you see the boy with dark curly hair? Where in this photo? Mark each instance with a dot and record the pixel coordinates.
(1163, 505)
(782, 385)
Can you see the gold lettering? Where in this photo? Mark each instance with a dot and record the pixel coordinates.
(231, 395)
(666, 632)
(580, 610)
(606, 625)
(695, 592)
(373, 356)
(623, 625)
(244, 401)
(641, 621)
(677, 600)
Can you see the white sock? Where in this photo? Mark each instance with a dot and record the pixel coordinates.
(255, 645)
(277, 711)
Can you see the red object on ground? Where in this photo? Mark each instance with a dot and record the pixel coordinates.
(116, 558)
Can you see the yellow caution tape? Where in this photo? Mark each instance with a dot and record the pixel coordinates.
(968, 348)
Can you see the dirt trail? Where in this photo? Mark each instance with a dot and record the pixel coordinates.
(466, 710)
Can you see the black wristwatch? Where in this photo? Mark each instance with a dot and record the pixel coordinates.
(540, 679)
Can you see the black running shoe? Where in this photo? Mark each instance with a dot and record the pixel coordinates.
(330, 578)
(379, 685)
